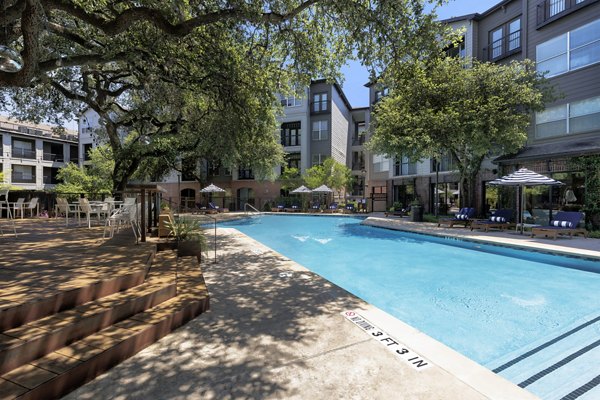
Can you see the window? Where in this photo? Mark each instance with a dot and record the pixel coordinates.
(22, 148)
(380, 163)
(293, 160)
(403, 166)
(245, 173)
(318, 159)
(320, 103)
(551, 122)
(50, 176)
(23, 174)
(320, 130)
(458, 49)
(505, 40)
(290, 134)
(380, 94)
(514, 34)
(73, 156)
(572, 50)
(445, 163)
(496, 40)
(360, 134)
(573, 118)
(556, 7)
(86, 151)
(584, 116)
(358, 160)
(291, 101)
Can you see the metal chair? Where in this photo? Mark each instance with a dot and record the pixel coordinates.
(5, 205)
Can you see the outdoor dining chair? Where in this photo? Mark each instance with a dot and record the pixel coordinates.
(31, 206)
(5, 205)
(63, 207)
(18, 207)
(87, 210)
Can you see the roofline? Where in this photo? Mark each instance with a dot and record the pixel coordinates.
(338, 88)
(494, 8)
(474, 16)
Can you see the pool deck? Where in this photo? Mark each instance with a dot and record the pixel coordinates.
(276, 331)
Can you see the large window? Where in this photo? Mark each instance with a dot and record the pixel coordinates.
(380, 163)
(403, 166)
(22, 148)
(380, 94)
(290, 134)
(505, 39)
(320, 130)
(318, 159)
(445, 163)
(360, 134)
(569, 51)
(458, 49)
(572, 118)
(23, 174)
(291, 101)
(320, 103)
(293, 160)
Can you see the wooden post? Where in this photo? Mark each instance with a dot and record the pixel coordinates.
(143, 216)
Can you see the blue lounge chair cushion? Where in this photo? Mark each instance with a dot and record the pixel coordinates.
(561, 224)
(462, 216)
(497, 219)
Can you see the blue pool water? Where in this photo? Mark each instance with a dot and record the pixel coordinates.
(487, 302)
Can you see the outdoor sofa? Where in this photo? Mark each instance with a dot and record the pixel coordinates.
(294, 208)
(501, 219)
(332, 208)
(564, 223)
(463, 217)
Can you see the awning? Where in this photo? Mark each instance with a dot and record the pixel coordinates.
(544, 151)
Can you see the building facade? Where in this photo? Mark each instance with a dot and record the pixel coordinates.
(33, 153)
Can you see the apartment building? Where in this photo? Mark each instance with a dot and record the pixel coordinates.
(563, 37)
(319, 124)
(33, 153)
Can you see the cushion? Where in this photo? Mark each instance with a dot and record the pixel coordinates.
(498, 219)
(462, 216)
(562, 224)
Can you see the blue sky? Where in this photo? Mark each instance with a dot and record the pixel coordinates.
(356, 75)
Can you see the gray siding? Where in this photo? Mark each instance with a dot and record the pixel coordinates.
(494, 20)
(341, 121)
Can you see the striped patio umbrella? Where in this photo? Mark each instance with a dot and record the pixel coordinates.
(523, 178)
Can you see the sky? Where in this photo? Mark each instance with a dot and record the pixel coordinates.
(355, 75)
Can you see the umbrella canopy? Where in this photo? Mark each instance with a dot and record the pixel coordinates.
(211, 189)
(522, 178)
(456, 192)
(301, 189)
(322, 189)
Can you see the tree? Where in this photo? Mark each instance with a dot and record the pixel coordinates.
(290, 178)
(94, 178)
(335, 175)
(437, 106)
(190, 75)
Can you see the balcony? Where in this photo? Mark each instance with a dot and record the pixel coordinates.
(20, 177)
(359, 141)
(18, 152)
(54, 157)
(358, 166)
(505, 46)
(551, 10)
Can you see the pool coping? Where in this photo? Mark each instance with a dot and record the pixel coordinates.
(392, 224)
(464, 369)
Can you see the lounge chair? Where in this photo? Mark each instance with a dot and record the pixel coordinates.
(399, 212)
(315, 207)
(212, 206)
(280, 207)
(332, 208)
(349, 209)
(564, 223)
(294, 208)
(502, 219)
(463, 217)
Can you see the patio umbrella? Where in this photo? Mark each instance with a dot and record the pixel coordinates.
(302, 190)
(322, 189)
(212, 189)
(523, 178)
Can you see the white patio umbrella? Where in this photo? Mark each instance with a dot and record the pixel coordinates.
(211, 189)
(322, 189)
(523, 178)
(302, 189)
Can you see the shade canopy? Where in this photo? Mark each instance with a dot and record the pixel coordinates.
(524, 177)
(322, 189)
(301, 189)
(211, 189)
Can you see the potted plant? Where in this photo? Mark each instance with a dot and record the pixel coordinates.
(189, 238)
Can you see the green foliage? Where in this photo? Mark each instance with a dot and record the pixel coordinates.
(290, 178)
(590, 165)
(331, 173)
(186, 229)
(438, 106)
(430, 218)
(94, 178)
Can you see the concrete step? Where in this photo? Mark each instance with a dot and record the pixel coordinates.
(65, 368)
(26, 304)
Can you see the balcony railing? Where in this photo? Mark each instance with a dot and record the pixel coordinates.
(358, 166)
(54, 157)
(19, 177)
(245, 174)
(505, 46)
(359, 141)
(48, 180)
(18, 152)
(550, 10)
(290, 141)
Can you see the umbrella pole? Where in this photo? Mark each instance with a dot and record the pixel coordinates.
(523, 200)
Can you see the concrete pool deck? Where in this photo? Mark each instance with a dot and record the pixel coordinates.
(276, 330)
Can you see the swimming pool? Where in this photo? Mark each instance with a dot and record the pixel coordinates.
(493, 304)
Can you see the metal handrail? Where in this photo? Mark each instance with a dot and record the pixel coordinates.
(251, 206)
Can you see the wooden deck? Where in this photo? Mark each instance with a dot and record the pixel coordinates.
(72, 305)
